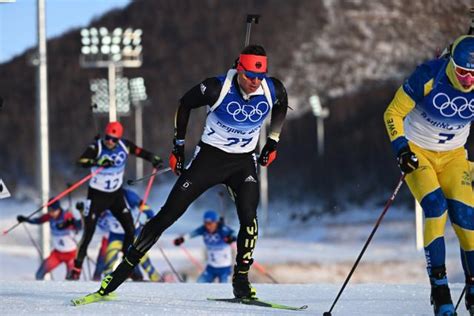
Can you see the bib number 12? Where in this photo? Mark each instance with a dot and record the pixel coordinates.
(111, 184)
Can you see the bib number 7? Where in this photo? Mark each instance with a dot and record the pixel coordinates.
(445, 138)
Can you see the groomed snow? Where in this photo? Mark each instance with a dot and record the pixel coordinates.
(52, 298)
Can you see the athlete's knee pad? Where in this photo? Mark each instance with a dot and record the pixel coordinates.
(462, 218)
(461, 214)
(434, 204)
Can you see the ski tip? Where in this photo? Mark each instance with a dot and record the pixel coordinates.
(5, 232)
(74, 302)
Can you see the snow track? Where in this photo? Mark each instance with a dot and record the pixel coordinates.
(52, 298)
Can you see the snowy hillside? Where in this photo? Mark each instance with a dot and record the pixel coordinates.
(367, 42)
(52, 298)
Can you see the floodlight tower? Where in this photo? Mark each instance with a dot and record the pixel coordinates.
(138, 97)
(112, 50)
(321, 114)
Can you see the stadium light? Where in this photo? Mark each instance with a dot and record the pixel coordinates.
(100, 47)
(138, 97)
(320, 113)
(116, 49)
(100, 96)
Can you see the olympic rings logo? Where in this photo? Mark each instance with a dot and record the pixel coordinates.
(242, 113)
(457, 106)
(118, 159)
(212, 238)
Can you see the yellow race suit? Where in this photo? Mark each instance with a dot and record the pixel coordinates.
(433, 118)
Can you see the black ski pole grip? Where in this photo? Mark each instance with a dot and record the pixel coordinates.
(253, 18)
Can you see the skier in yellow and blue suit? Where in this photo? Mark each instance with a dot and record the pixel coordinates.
(428, 123)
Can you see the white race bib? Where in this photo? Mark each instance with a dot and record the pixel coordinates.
(219, 257)
(64, 243)
(107, 181)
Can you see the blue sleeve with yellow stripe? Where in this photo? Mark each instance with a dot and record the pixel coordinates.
(413, 90)
(414, 86)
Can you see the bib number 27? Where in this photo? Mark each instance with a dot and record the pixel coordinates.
(241, 141)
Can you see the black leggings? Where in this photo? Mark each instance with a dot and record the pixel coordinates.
(99, 202)
(210, 167)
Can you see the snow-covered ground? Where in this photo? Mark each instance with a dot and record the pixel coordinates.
(52, 298)
(390, 280)
(320, 250)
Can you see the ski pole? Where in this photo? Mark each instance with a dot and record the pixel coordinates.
(38, 249)
(155, 173)
(58, 197)
(460, 298)
(89, 270)
(260, 268)
(170, 265)
(145, 197)
(376, 226)
(191, 258)
(69, 197)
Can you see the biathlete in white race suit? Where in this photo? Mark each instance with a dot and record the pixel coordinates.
(238, 103)
(428, 123)
(63, 227)
(105, 189)
(217, 237)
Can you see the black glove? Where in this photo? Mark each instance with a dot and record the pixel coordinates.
(65, 224)
(268, 153)
(105, 162)
(80, 206)
(157, 162)
(177, 157)
(178, 241)
(21, 218)
(407, 160)
(229, 239)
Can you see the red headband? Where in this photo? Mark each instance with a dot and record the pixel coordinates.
(254, 63)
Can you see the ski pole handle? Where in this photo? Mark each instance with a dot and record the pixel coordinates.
(59, 196)
(154, 173)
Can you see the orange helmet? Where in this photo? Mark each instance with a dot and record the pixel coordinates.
(114, 129)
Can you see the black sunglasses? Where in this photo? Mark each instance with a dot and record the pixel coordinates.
(114, 139)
